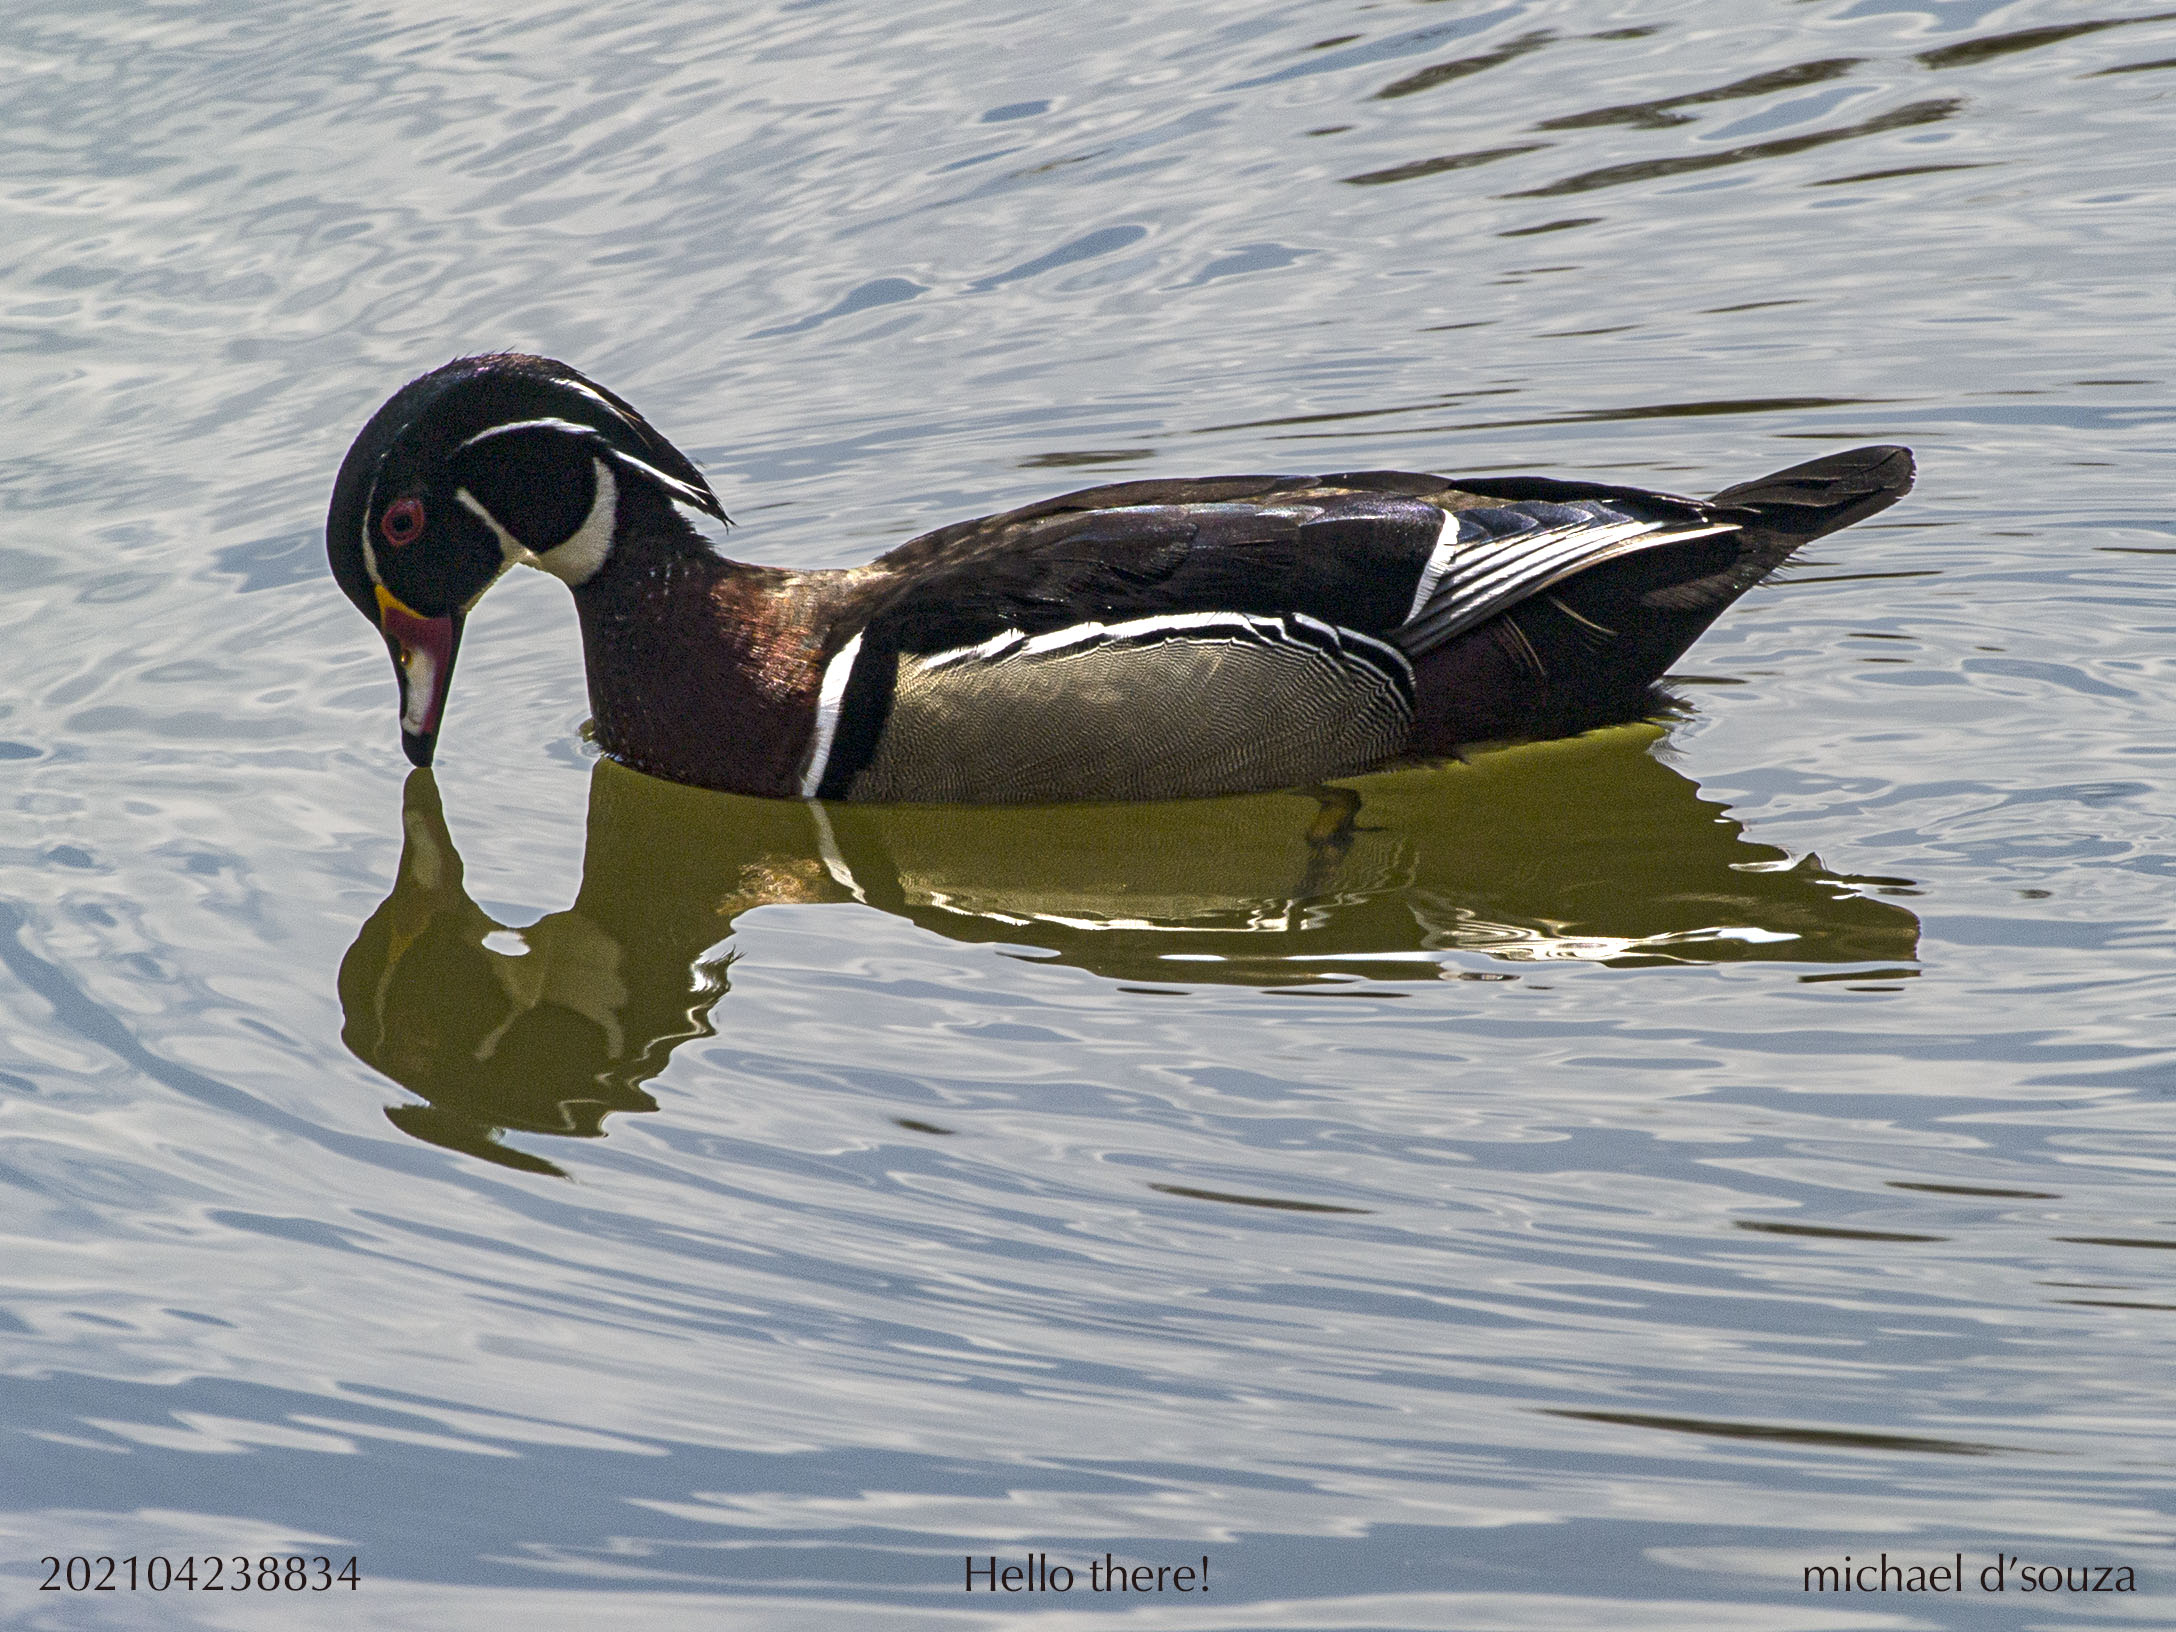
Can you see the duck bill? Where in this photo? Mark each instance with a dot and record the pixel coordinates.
(423, 650)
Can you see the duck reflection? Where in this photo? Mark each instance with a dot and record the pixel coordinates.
(1589, 849)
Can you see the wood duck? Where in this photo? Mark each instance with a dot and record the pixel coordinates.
(1142, 640)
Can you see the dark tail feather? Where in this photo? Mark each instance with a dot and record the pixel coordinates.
(1822, 494)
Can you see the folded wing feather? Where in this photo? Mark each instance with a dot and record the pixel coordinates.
(1471, 578)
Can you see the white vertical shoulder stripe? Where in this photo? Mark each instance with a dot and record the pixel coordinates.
(1439, 562)
(829, 698)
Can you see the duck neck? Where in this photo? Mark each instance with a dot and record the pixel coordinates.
(701, 670)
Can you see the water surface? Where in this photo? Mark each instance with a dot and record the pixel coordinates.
(1585, 1186)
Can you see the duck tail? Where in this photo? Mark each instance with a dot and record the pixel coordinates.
(1779, 514)
(1822, 494)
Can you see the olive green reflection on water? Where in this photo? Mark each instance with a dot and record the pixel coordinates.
(1590, 849)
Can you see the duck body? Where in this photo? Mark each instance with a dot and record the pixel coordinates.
(1140, 640)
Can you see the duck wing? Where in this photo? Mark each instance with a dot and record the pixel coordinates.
(1138, 641)
(1409, 558)
(1172, 639)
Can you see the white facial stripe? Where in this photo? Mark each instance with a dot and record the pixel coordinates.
(574, 562)
(529, 425)
(671, 484)
(596, 395)
(370, 556)
(517, 553)
(683, 492)
(829, 698)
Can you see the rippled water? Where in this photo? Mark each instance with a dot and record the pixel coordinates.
(1583, 1187)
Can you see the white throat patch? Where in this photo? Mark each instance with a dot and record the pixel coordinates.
(577, 560)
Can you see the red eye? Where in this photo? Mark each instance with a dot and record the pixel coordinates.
(402, 522)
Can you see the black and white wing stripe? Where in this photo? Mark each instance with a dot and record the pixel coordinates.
(1488, 560)
(1245, 628)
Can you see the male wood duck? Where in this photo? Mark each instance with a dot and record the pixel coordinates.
(1143, 640)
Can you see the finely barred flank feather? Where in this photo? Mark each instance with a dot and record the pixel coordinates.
(1200, 703)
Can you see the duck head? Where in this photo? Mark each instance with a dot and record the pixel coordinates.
(480, 465)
